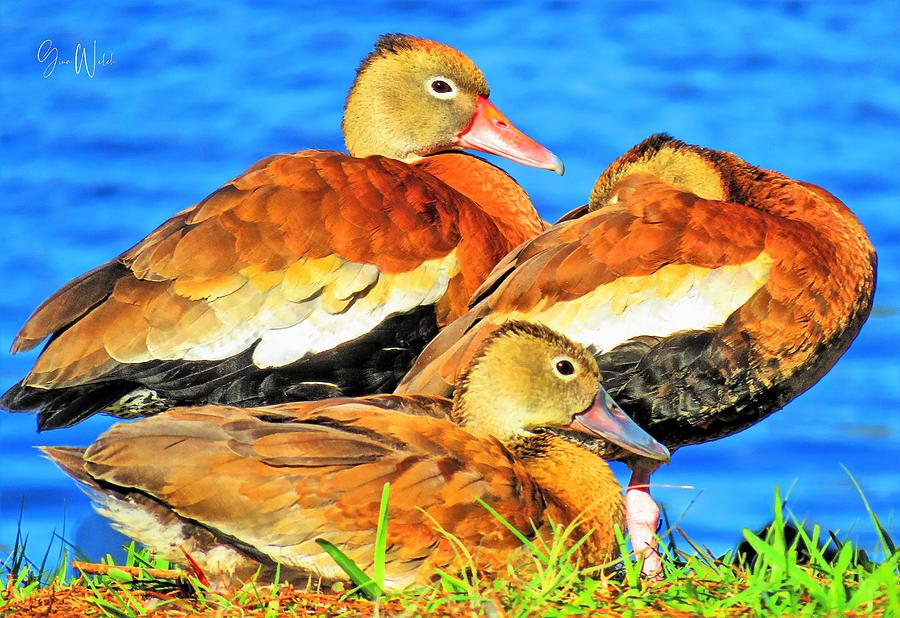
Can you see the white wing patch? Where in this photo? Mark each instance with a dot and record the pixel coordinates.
(312, 306)
(675, 298)
(162, 530)
(338, 314)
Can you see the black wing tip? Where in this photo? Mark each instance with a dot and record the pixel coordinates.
(63, 407)
(51, 418)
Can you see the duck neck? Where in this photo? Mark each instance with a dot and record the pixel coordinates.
(496, 193)
(497, 217)
(576, 483)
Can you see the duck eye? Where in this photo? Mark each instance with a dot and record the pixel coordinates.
(565, 367)
(440, 87)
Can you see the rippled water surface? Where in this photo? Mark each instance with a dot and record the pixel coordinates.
(89, 165)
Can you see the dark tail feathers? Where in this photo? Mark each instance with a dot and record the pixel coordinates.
(63, 407)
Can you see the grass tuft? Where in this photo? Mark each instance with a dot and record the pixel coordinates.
(787, 568)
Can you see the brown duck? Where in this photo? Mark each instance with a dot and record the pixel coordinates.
(712, 292)
(244, 488)
(311, 274)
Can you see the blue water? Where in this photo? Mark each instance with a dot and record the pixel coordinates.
(89, 165)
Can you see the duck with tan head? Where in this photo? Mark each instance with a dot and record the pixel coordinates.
(310, 275)
(241, 489)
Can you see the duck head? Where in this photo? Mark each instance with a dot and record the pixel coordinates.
(413, 97)
(529, 380)
(699, 170)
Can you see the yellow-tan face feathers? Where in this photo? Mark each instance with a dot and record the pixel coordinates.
(411, 97)
(526, 377)
(670, 160)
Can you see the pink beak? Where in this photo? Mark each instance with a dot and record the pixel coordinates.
(490, 131)
(607, 420)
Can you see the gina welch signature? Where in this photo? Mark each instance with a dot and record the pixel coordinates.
(84, 59)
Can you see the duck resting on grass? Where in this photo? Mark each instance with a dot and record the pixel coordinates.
(310, 275)
(241, 489)
(712, 292)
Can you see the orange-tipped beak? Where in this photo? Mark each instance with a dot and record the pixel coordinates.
(491, 132)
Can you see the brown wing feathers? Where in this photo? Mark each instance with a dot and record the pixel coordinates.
(70, 303)
(243, 473)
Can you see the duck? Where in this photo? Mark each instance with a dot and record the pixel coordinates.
(711, 291)
(247, 490)
(310, 275)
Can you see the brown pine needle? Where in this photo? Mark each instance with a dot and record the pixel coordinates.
(92, 568)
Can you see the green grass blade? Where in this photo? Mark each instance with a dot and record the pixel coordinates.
(62, 571)
(381, 538)
(838, 589)
(540, 555)
(359, 578)
(706, 558)
(119, 575)
(132, 603)
(632, 568)
(885, 578)
(814, 588)
(887, 544)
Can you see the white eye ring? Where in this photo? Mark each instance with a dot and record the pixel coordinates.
(437, 87)
(565, 368)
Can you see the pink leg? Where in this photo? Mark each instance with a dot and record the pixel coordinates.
(642, 518)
